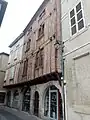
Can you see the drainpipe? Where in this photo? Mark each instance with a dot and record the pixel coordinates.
(62, 67)
(59, 44)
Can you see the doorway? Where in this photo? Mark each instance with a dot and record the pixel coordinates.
(53, 104)
(8, 98)
(36, 104)
(26, 100)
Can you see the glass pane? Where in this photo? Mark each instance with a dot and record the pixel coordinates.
(26, 101)
(73, 21)
(80, 24)
(53, 105)
(46, 104)
(78, 7)
(72, 13)
(73, 30)
(2, 97)
(79, 15)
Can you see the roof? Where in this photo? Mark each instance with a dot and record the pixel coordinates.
(16, 40)
(36, 15)
(3, 53)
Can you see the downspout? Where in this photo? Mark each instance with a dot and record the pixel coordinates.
(56, 51)
(62, 67)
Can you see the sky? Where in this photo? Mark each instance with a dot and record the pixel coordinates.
(17, 16)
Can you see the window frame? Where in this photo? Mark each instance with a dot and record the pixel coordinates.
(42, 28)
(28, 45)
(83, 17)
(39, 61)
(12, 74)
(42, 14)
(25, 68)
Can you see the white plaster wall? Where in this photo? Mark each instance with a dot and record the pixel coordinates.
(76, 67)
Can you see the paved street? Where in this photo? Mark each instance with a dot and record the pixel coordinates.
(10, 114)
(4, 115)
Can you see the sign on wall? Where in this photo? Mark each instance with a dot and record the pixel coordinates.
(3, 5)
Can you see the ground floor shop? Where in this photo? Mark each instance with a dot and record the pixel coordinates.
(2, 97)
(42, 100)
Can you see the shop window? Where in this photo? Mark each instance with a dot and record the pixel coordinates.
(8, 98)
(15, 99)
(2, 97)
(16, 95)
(53, 104)
(26, 100)
(46, 104)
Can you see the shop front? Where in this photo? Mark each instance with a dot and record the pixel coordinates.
(26, 100)
(53, 104)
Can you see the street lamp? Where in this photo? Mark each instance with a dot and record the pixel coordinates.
(60, 45)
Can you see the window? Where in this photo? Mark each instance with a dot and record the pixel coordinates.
(42, 14)
(25, 67)
(0, 6)
(29, 30)
(6, 75)
(41, 31)
(16, 55)
(16, 52)
(15, 99)
(16, 95)
(39, 59)
(76, 19)
(28, 45)
(12, 71)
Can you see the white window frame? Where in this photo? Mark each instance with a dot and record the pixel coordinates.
(82, 8)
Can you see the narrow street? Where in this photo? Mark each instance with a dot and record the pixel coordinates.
(11, 114)
(4, 115)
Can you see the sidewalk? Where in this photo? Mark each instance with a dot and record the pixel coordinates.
(20, 114)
